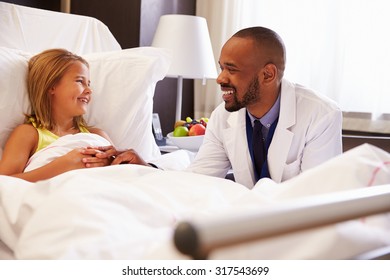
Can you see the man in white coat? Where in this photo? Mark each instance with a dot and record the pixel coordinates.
(301, 128)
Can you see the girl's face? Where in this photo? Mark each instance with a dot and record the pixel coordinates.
(71, 95)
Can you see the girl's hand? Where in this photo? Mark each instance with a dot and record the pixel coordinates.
(70, 161)
(94, 157)
(102, 151)
(117, 157)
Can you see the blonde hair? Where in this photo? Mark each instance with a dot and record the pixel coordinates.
(45, 70)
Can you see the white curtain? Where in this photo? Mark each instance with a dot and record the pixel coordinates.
(340, 48)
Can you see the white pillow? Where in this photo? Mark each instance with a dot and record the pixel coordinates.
(123, 84)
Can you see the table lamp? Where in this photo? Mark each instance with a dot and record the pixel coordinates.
(192, 54)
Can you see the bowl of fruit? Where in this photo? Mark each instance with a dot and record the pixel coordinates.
(188, 134)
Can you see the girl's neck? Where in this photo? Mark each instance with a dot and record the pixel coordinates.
(65, 128)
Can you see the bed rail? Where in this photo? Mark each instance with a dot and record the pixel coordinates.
(199, 239)
(351, 141)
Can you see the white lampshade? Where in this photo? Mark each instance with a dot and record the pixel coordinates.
(188, 38)
(192, 54)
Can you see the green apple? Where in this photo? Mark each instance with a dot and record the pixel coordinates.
(180, 131)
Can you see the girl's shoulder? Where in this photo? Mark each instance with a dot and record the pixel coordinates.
(25, 135)
(96, 130)
(26, 132)
(25, 128)
(100, 132)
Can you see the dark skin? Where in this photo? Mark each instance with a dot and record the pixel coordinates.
(246, 79)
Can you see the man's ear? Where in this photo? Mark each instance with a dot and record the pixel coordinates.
(269, 72)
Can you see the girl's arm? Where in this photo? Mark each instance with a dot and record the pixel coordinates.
(70, 161)
(21, 145)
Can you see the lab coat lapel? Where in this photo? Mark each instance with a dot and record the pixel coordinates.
(282, 139)
(237, 147)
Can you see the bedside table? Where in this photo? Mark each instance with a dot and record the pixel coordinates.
(166, 146)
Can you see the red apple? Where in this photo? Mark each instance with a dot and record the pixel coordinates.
(197, 129)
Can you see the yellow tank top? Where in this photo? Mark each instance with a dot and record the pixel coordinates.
(46, 137)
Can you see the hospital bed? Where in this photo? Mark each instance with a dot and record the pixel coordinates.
(137, 212)
(199, 240)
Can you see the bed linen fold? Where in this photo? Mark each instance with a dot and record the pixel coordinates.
(130, 211)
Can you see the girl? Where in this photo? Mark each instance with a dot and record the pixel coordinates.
(59, 91)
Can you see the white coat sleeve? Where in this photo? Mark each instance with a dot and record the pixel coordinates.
(324, 140)
(212, 158)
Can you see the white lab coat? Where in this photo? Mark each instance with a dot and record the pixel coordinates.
(307, 134)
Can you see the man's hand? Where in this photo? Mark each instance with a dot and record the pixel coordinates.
(129, 156)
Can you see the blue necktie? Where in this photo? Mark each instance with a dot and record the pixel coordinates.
(258, 147)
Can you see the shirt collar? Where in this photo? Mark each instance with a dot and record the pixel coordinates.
(268, 119)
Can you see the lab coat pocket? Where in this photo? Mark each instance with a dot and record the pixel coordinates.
(292, 169)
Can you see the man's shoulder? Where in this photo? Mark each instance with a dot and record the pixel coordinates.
(307, 96)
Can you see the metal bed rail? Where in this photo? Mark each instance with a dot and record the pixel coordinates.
(199, 239)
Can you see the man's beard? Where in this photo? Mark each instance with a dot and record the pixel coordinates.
(251, 95)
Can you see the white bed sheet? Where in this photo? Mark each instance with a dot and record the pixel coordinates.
(129, 212)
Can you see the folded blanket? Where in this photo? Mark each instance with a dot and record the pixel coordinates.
(62, 146)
